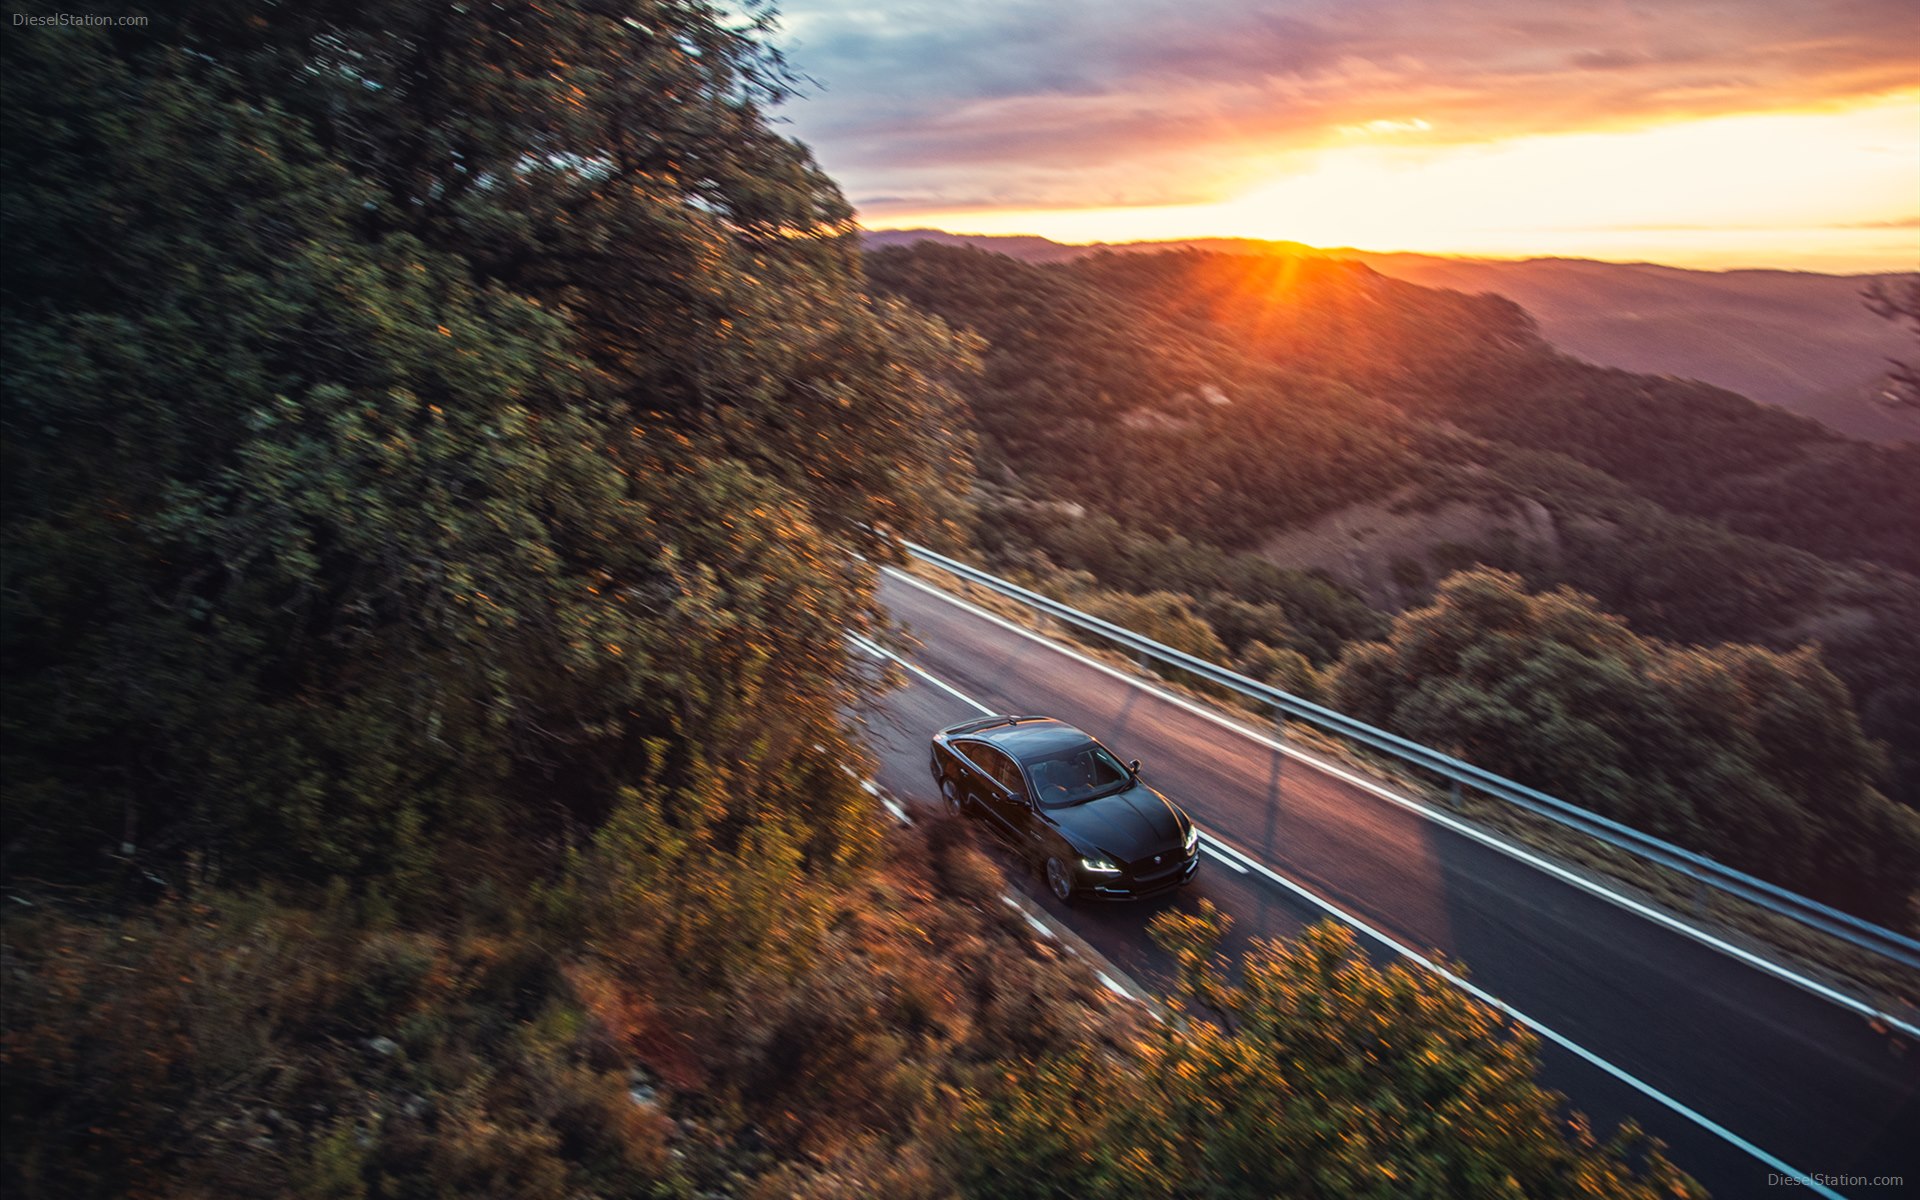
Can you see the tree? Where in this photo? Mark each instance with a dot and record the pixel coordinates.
(1749, 755)
(489, 394)
(1315, 1074)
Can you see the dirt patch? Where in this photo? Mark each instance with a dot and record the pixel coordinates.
(1387, 555)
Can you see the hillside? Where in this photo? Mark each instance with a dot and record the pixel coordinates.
(1309, 435)
(1799, 340)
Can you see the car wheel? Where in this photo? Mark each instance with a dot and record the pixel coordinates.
(951, 797)
(1059, 880)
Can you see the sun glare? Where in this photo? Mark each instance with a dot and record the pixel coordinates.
(1834, 189)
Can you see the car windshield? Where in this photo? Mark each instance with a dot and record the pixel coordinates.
(1084, 772)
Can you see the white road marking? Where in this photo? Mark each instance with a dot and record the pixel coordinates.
(1565, 1043)
(1219, 857)
(1113, 985)
(1013, 902)
(1463, 828)
(879, 651)
(1241, 861)
(887, 802)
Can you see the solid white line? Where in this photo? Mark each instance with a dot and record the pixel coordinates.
(879, 651)
(1463, 828)
(1565, 1043)
(1238, 858)
(1224, 859)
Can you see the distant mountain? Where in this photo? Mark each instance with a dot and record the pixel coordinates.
(1194, 422)
(1795, 339)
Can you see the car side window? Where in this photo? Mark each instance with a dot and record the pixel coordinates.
(996, 764)
(977, 753)
(1008, 773)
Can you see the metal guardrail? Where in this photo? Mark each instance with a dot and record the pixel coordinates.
(1862, 933)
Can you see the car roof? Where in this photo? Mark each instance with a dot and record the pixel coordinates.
(1028, 737)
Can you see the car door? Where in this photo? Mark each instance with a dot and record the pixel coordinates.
(1004, 793)
(974, 778)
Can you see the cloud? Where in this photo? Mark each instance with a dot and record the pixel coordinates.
(1105, 102)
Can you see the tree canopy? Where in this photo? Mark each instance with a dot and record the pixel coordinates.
(413, 414)
(1752, 756)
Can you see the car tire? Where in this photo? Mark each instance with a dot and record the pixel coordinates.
(1059, 880)
(950, 797)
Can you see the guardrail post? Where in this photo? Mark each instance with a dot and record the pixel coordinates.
(1280, 735)
(1455, 797)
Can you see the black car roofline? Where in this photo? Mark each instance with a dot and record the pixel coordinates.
(982, 723)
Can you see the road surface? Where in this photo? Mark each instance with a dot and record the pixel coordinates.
(1758, 1059)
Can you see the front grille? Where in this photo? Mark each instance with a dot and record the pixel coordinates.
(1145, 872)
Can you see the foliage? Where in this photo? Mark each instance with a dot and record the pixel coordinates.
(1243, 596)
(239, 1047)
(1696, 514)
(489, 394)
(916, 1047)
(1315, 1074)
(1752, 756)
(1107, 401)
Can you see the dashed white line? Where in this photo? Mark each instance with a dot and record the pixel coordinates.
(1113, 985)
(1465, 829)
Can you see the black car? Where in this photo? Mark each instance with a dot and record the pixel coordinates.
(1067, 804)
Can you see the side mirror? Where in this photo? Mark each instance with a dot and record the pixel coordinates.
(1134, 766)
(1022, 798)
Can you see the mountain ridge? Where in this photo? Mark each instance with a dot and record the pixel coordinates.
(1797, 340)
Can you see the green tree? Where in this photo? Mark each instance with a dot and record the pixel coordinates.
(412, 415)
(1752, 756)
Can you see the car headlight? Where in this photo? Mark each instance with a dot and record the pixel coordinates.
(1192, 838)
(1099, 864)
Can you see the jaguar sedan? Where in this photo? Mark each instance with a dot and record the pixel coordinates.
(1068, 805)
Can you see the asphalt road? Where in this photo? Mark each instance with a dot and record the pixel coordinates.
(1807, 1082)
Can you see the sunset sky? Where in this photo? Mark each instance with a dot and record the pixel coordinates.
(1739, 133)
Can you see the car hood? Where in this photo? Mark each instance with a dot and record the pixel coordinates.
(1131, 825)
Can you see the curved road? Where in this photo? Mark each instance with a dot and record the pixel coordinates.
(1757, 1058)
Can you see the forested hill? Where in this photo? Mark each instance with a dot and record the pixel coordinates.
(1800, 340)
(1475, 362)
(1307, 413)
